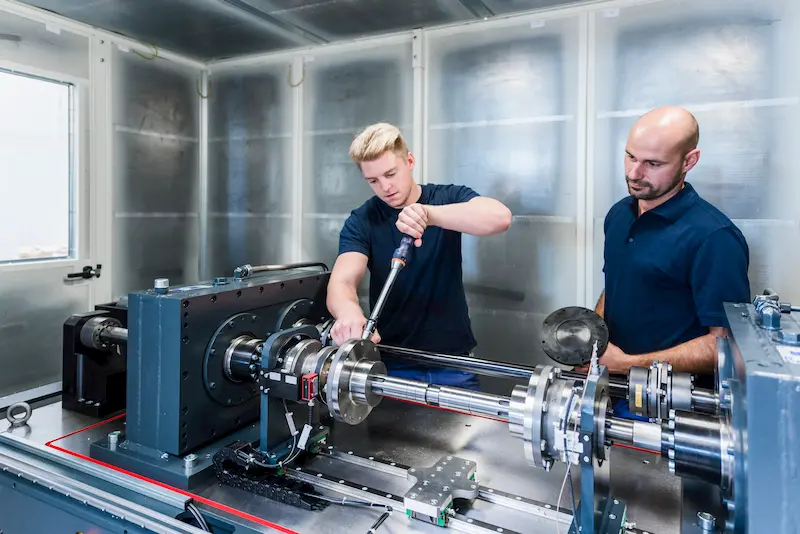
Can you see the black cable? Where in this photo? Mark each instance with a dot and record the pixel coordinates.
(384, 516)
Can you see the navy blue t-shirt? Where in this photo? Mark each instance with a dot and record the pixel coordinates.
(668, 272)
(427, 308)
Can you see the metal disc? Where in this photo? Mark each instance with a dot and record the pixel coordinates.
(568, 335)
(343, 405)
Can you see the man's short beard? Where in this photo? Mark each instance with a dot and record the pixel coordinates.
(649, 192)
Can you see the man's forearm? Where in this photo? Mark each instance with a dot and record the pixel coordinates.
(600, 309)
(696, 356)
(480, 216)
(343, 300)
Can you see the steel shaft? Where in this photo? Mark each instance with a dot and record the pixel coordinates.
(457, 399)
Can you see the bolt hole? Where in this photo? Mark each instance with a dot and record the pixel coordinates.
(185, 314)
(282, 285)
(184, 435)
(213, 298)
(185, 339)
(186, 325)
(185, 303)
(260, 289)
(185, 375)
(238, 294)
(300, 282)
(185, 410)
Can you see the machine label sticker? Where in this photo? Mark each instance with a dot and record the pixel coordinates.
(789, 354)
(638, 395)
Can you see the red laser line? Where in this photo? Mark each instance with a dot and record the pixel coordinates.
(198, 498)
(635, 448)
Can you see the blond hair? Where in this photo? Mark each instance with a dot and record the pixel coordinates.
(375, 140)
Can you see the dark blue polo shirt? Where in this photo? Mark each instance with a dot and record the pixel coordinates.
(427, 308)
(668, 272)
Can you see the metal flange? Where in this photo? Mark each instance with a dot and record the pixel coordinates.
(349, 396)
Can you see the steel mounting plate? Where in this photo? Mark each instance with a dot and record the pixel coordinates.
(568, 335)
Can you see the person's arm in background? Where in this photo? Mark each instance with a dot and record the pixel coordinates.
(467, 213)
(600, 308)
(718, 275)
(348, 272)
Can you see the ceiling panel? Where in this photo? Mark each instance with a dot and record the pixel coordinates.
(504, 7)
(215, 29)
(203, 29)
(337, 19)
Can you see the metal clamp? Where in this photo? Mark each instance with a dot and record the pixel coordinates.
(17, 420)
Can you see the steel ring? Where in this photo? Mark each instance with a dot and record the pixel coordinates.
(17, 421)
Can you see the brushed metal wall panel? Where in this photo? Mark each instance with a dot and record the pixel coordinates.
(321, 243)
(503, 115)
(155, 96)
(32, 313)
(342, 96)
(146, 248)
(250, 176)
(250, 141)
(29, 43)
(256, 240)
(250, 102)
(156, 179)
(160, 174)
(530, 268)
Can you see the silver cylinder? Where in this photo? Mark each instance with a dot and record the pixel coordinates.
(705, 401)
(647, 436)
(462, 400)
(399, 388)
(114, 334)
(639, 434)
(620, 431)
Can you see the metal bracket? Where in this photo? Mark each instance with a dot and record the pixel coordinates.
(436, 487)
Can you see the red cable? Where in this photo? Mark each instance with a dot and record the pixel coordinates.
(198, 498)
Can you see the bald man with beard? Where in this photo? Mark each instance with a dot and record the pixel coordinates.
(671, 258)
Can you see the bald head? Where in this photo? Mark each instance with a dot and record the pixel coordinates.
(661, 149)
(669, 126)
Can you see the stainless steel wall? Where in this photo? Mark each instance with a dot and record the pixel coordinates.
(269, 204)
(156, 132)
(250, 183)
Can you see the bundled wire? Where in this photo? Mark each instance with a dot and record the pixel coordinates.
(192, 509)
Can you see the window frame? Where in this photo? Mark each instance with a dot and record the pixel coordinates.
(76, 210)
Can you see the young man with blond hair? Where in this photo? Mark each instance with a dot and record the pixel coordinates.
(427, 308)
